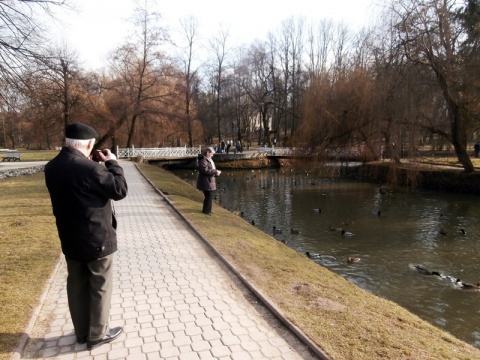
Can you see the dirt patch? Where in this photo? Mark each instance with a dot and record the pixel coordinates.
(328, 305)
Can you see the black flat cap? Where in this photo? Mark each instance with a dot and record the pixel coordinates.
(80, 131)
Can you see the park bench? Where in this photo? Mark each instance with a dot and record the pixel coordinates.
(10, 155)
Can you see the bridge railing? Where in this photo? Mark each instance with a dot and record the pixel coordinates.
(328, 153)
(277, 150)
(158, 152)
(182, 152)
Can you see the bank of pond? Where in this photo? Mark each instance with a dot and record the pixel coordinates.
(376, 236)
(407, 174)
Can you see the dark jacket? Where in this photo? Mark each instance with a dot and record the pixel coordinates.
(206, 174)
(81, 191)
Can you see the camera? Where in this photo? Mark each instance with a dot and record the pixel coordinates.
(95, 156)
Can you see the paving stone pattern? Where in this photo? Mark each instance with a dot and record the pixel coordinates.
(174, 300)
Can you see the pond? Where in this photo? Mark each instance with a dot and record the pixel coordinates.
(414, 228)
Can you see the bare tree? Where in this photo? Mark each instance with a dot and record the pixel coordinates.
(138, 66)
(260, 86)
(340, 51)
(243, 109)
(189, 72)
(319, 47)
(63, 74)
(10, 117)
(291, 63)
(218, 46)
(52, 88)
(21, 35)
(433, 34)
(339, 102)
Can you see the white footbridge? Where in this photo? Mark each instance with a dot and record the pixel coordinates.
(192, 152)
(159, 153)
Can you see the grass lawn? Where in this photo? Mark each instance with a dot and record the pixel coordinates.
(29, 250)
(37, 155)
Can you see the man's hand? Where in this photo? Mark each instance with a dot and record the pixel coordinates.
(106, 155)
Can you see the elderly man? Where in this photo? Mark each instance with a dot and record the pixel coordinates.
(81, 191)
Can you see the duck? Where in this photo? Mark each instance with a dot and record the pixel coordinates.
(348, 223)
(443, 217)
(347, 233)
(294, 231)
(252, 222)
(425, 271)
(377, 212)
(443, 232)
(332, 228)
(353, 260)
(236, 212)
(451, 279)
(277, 231)
(317, 210)
(313, 255)
(463, 232)
(465, 285)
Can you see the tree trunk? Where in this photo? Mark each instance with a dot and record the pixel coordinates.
(464, 158)
(459, 141)
(266, 128)
(458, 129)
(219, 131)
(189, 130)
(131, 132)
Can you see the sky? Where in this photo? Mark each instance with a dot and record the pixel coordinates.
(99, 26)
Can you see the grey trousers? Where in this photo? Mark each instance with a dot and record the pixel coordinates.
(89, 290)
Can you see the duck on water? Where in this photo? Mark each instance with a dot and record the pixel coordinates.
(456, 281)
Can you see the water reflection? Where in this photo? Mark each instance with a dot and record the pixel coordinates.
(410, 230)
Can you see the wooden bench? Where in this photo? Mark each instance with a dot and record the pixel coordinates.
(11, 156)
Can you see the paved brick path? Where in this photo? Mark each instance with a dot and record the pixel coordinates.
(173, 298)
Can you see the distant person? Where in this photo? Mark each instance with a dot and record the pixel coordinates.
(81, 191)
(239, 146)
(206, 181)
(476, 148)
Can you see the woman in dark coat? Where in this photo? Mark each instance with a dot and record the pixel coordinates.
(206, 178)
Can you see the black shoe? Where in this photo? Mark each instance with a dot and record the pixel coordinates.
(112, 335)
(81, 340)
